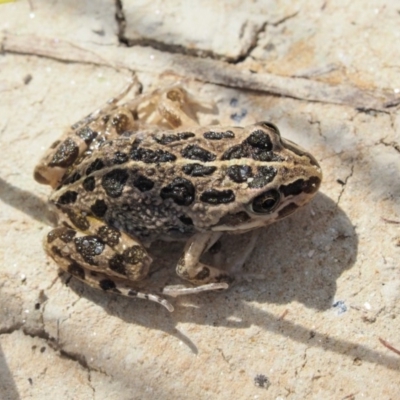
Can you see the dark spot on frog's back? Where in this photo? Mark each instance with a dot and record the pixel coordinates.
(257, 146)
(215, 197)
(194, 152)
(198, 170)
(65, 155)
(167, 139)
(185, 135)
(143, 184)
(239, 173)
(260, 140)
(114, 182)
(218, 135)
(120, 158)
(89, 184)
(235, 152)
(96, 165)
(99, 208)
(68, 197)
(180, 190)
(264, 176)
(149, 156)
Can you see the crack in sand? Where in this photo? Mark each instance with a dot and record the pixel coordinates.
(393, 144)
(344, 183)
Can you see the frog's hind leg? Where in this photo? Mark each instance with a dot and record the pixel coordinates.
(102, 257)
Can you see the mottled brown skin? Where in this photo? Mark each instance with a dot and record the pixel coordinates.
(120, 184)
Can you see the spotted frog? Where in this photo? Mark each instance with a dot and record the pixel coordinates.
(130, 174)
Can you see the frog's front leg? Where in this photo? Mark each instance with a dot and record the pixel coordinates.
(102, 257)
(191, 269)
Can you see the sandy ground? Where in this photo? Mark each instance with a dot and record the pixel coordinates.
(324, 323)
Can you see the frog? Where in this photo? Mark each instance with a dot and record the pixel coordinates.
(143, 170)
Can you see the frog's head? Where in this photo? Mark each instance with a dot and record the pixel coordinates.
(271, 178)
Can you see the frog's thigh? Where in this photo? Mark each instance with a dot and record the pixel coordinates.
(191, 269)
(102, 257)
(99, 248)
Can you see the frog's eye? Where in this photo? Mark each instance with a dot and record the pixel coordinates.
(266, 203)
(270, 125)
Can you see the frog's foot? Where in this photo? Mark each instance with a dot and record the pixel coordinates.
(191, 269)
(101, 256)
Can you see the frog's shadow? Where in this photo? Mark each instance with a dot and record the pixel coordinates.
(304, 256)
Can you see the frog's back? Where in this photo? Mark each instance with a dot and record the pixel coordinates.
(156, 182)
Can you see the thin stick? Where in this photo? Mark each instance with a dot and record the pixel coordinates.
(389, 346)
